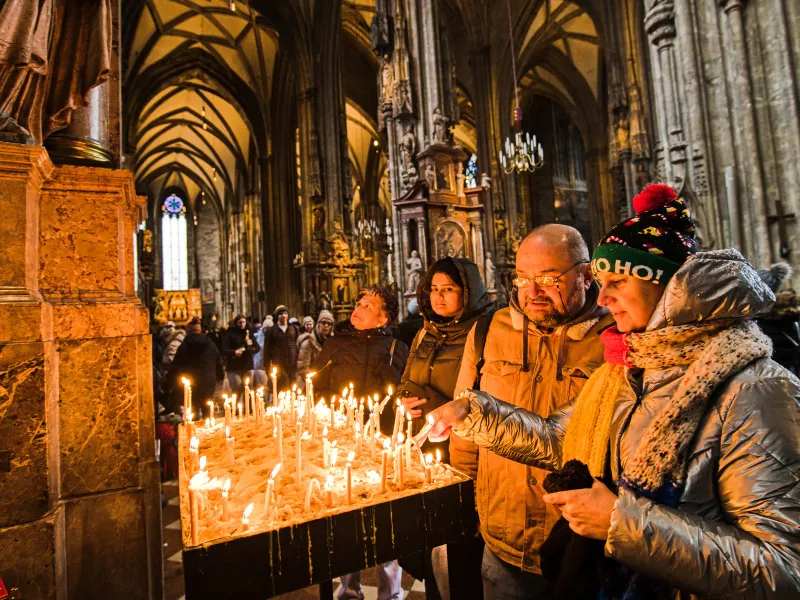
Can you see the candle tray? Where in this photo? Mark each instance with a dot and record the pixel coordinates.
(268, 563)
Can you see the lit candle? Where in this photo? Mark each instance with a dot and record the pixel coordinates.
(203, 463)
(247, 398)
(299, 449)
(187, 395)
(268, 496)
(398, 421)
(280, 435)
(253, 408)
(274, 377)
(326, 447)
(190, 428)
(246, 517)
(349, 474)
(241, 413)
(399, 461)
(309, 491)
(428, 461)
(309, 391)
(226, 407)
(293, 397)
(229, 445)
(194, 448)
(384, 464)
(358, 440)
(334, 456)
(408, 441)
(329, 491)
(225, 505)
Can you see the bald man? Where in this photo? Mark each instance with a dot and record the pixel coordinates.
(538, 353)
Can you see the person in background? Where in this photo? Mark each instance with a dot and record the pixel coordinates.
(259, 375)
(200, 362)
(309, 344)
(410, 326)
(238, 348)
(362, 351)
(782, 323)
(281, 348)
(452, 297)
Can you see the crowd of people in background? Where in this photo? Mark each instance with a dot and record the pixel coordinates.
(640, 364)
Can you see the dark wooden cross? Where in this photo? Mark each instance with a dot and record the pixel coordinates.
(781, 219)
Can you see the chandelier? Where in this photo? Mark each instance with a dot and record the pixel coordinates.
(522, 153)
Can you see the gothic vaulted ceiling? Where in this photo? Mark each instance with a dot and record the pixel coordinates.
(199, 75)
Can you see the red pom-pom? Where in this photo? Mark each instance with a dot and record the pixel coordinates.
(653, 196)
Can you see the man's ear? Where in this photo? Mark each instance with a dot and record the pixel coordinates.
(588, 277)
(383, 319)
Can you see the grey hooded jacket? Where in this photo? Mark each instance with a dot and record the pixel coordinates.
(736, 531)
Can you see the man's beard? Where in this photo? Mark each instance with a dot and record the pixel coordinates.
(556, 316)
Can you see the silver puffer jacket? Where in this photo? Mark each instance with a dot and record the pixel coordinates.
(736, 531)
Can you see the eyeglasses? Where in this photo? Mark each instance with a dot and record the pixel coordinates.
(546, 280)
(328, 323)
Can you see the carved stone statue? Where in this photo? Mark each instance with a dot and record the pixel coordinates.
(310, 305)
(60, 51)
(460, 179)
(430, 176)
(500, 229)
(324, 301)
(414, 264)
(486, 181)
(408, 144)
(490, 271)
(319, 217)
(440, 127)
(386, 84)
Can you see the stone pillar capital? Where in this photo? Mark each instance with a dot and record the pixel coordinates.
(660, 24)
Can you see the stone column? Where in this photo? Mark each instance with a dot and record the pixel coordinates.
(80, 513)
(85, 141)
(750, 153)
(422, 240)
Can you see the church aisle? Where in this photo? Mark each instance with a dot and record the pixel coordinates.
(173, 563)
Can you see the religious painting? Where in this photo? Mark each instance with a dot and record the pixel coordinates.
(450, 240)
(341, 290)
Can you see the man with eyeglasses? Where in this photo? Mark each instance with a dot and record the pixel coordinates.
(537, 353)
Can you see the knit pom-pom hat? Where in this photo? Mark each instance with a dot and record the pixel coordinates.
(654, 244)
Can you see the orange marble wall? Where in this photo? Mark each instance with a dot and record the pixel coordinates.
(79, 493)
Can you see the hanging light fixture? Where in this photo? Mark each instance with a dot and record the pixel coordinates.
(522, 153)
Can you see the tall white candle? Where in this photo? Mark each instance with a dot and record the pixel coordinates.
(384, 464)
(349, 474)
(269, 494)
(246, 517)
(225, 504)
(274, 377)
(299, 444)
(229, 445)
(247, 398)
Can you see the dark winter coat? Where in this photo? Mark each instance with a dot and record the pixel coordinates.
(365, 358)
(199, 360)
(435, 357)
(407, 330)
(234, 339)
(281, 350)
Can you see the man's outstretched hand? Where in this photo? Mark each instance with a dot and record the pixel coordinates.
(446, 417)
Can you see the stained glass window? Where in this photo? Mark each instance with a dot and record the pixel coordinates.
(175, 257)
(471, 172)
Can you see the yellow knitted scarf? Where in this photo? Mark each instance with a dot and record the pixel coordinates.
(590, 426)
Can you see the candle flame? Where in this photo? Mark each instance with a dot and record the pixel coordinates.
(294, 388)
(226, 487)
(350, 385)
(247, 512)
(189, 417)
(400, 438)
(310, 375)
(351, 456)
(203, 462)
(389, 390)
(233, 398)
(275, 471)
(334, 456)
(428, 458)
(386, 444)
(247, 381)
(329, 482)
(399, 402)
(325, 431)
(186, 382)
(375, 397)
(408, 414)
(274, 371)
(194, 444)
(430, 419)
(227, 432)
(438, 456)
(358, 428)
(370, 405)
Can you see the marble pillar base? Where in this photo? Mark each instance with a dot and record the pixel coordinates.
(79, 486)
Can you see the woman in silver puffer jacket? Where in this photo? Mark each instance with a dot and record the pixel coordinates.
(693, 422)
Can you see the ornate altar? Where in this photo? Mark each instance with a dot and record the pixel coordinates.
(438, 216)
(178, 306)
